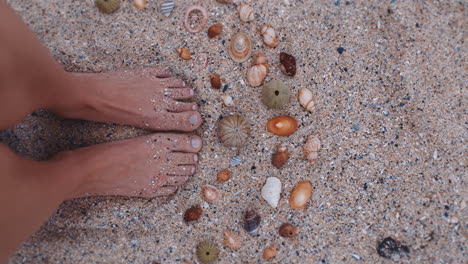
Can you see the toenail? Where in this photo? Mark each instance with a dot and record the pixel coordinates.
(193, 170)
(195, 158)
(194, 107)
(193, 119)
(183, 84)
(192, 92)
(196, 143)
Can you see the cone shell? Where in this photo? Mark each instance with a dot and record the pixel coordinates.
(246, 12)
(193, 214)
(288, 64)
(215, 81)
(269, 35)
(288, 230)
(275, 94)
(306, 99)
(240, 47)
(311, 148)
(215, 30)
(223, 175)
(233, 131)
(280, 157)
(256, 74)
(269, 253)
(282, 125)
(167, 7)
(184, 54)
(231, 239)
(251, 221)
(210, 194)
(107, 6)
(300, 195)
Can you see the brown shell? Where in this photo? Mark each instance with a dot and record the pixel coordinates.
(269, 253)
(288, 230)
(215, 30)
(251, 221)
(210, 194)
(231, 239)
(215, 81)
(288, 63)
(300, 195)
(193, 214)
(280, 158)
(233, 131)
(282, 125)
(240, 47)
(184, 53)
(223, 175)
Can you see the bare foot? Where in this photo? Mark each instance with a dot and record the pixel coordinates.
(148, 98)
(148, 166)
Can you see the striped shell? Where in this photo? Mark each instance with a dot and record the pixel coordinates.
(233, 131)
(236, 161)
(167, 7)
(240, 47)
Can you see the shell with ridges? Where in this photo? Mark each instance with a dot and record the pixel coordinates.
(271, 191)
(231, 239)
(306, 99)
(167, 7)
(311, 148)
(236, 160)
(275, 94)
(107, 6)
(251, 221)
(233, 131)
(246, 12)
(269, 35)
(256, 74)
(207, 252)
(240, 47)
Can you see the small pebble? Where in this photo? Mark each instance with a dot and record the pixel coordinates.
(340, 50)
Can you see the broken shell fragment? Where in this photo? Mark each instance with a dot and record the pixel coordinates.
(280, 157)
(233, 131)
(193, 214)
(300, 195)
(215, 81)
(167, 7)
(210, 194)
(269, 35)
(269, 253)
(287, 230)
(275, 94)
(246, 12)
(203, 21)
(231, 239)
(288, 64)
(282, 125)
(107, 6)
(306, 99)
(251, 221)
(240, 47)
(236, 161)
(223, 175)
(215, 30)
(207, 252)
(184, 53)
(311, 148)
(256, 74)
(227, 100)
(271, 191)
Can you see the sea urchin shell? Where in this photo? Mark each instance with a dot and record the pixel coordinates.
(107, 6)
(233, 131)
(275, 94)
(207, 252)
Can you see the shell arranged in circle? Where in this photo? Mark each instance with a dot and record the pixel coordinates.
(107, 6)
(240, 47)
(233, 131)
(207, 252)
(275, 94)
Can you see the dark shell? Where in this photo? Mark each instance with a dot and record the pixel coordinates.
(251, 221)
(279, 159)
(390, 248)
(287, 230)
(233, 131)
(275, 94)
(207, 252)
(107, 6)
(193, 214)
(288, 64)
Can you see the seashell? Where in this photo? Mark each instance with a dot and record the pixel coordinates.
(280, 157)
(227, 100)
(300, 195)
(167, 7)
(193, 214)
(184, 54)
(256, 74)
(282, 125)
(187, 18)
(231, 239)
(391, 248)
(233, 131)
(201, 61)
(287, 230)
(215, 81)
(306, 100)
(139, 4)
(288, 64)
(260, 58)
(311, 148)
(251, 221)
(269, 35)
(240, 47)
(210, 194)
(236, 160)
(107, 6)
(207, 252)
(223, 175)
(275, 94)
(246, 12)
(271, 191)
(269, 253)
(215, 30)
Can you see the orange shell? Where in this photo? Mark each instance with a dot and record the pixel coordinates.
(215, 81)
(269, 253)
(215, 30)
(287, 230)
(231, 239)
(300, 195)
(282, 125)
(223, 175)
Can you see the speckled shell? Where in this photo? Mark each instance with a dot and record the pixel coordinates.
(300, 195)
(269, 35)
(207, 252)
(193, 214)
(231, 239)
(107, 6)
(282, 126)
(311, 148)
(167, 7)
(240, 47)
(306, 99)
(210, 194)
(251, 221)
(288, 64)
(275, 94)
(233, 131)
(246, 12)
(288, 230)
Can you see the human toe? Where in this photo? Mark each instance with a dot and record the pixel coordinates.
(179, 93)
(179, 158)
(182, 170)
(177, 180)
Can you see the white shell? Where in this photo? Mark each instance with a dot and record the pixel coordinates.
(311, 148)
(306, 100)
(246, 12)
(271, 191)
(236, 160)
(269, 35)
(167, 7)
(256, 74)
(227, 100)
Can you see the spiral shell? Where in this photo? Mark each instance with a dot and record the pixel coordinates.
(210, 194)
(240, 47)
(246, 12)
(256, 74)
(107, 6)
(139, 4)
(269, 35)
(167, 7)
(260, 58)
(275, 94)
(184, 54)
(233, 131)
(251, 221)
(306, 99)
(231, 239)
(311, 148)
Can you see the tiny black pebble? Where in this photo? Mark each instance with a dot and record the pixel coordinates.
(388, 247)
(340, 50)
(417, 25)
(225, 88)
(447, 207)
(253, 168)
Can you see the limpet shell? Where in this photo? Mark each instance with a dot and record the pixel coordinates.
(275, 94)
(300, 195)
(233, 131)
(107, 6)
(231, 239)
(282, 125)
(271, 191)
(207, 252)
(240, 47)
(167, 7)
(202, 24)
(251, 221)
